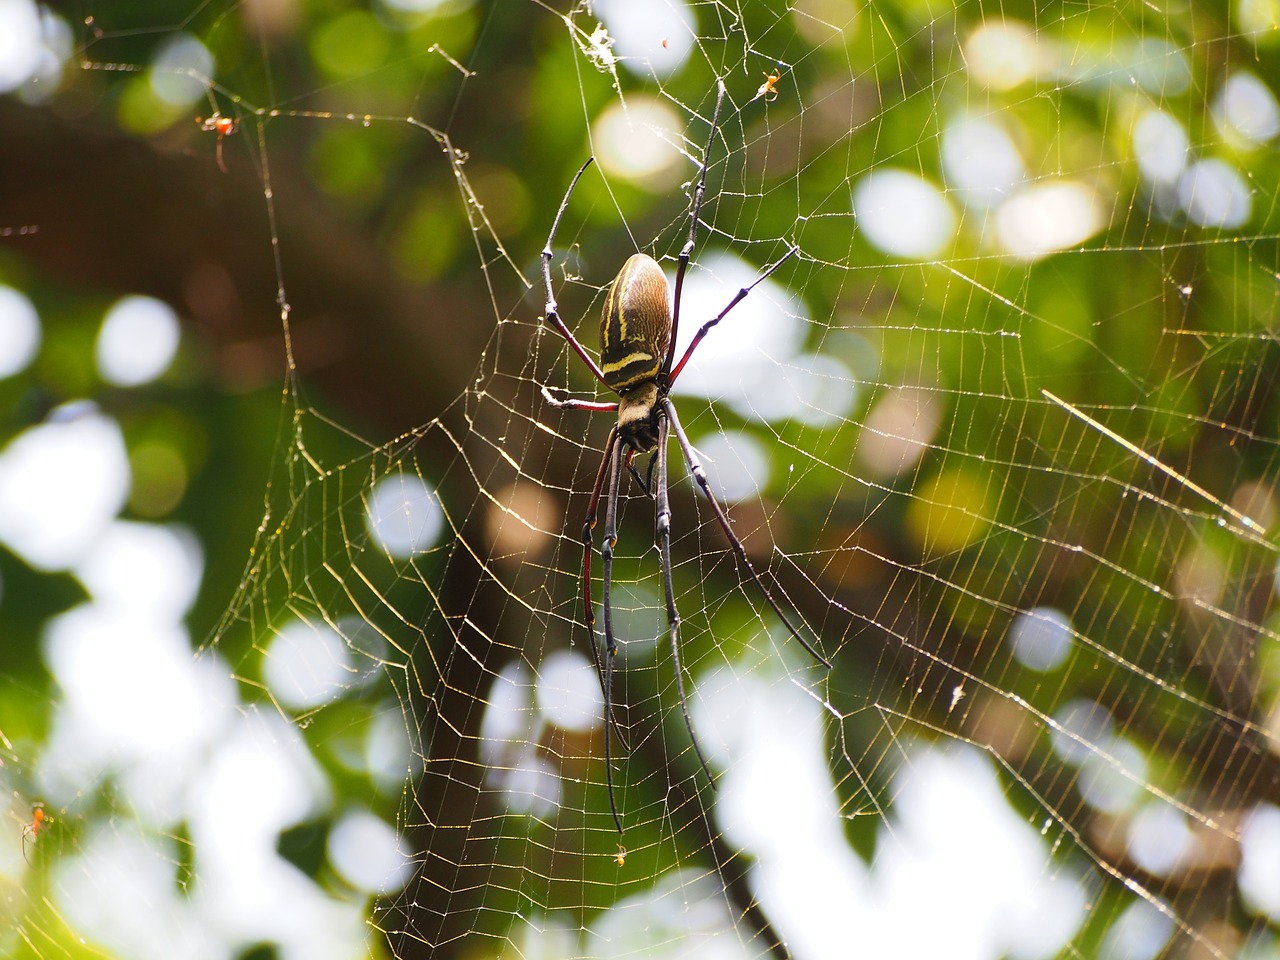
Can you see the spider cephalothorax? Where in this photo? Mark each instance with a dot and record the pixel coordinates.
(637, 347)
(638, 417)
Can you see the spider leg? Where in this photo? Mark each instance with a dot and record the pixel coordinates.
(653, 462)
(572, 403)
(588, 524)
(588, 610)
(673, 613)
(614, 459)
(700, 477)
(687, 250)
(737, 298)
(551, 312)
(644, 483)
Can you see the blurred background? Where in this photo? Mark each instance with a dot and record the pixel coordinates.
(293, 660)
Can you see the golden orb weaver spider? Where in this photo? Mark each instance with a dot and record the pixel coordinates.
(637, 349)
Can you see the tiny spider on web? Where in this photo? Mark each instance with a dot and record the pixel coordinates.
(637, 362)
(32, 830)
(769, 89)
(223, 127)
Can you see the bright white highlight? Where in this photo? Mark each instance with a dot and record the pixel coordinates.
(1161, 146)
(1139, 934)
(1081, 726)
(134, 701)
(509, 714)
(179, 69)
(119, 889)
(532, 785)
(61, 483)
(512, 726)
(683, 916)
(640, 28)
(737, 464)
(1002, 54)
(982, 164)
(307, 664)
(637, 139)
(1213, 194)
(957, 845)
(1112, 779)
(1257, 17)
(745, 348)
(758, 343)
(568, 692)
(19, 329)
(260, 781)
(813, 388)
(903, 214)
(1246, 110)
(153, 570)
(404, 515)
(418, 6)
(164, 729)
(639, 615)
(1047, 217)
(1040, 638)
(20, 42)
(365, 850)
(137, 342)
(56, 46)
(952, 842)
(1259, 876)
(388, 754)
(1159, 838)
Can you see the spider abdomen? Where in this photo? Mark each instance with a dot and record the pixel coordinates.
(635, 329)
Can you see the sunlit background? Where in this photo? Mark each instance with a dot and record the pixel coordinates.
(257, 507)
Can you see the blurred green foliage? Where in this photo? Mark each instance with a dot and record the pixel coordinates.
(409, 279)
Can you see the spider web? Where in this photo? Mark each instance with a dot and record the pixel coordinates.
(1001, 437)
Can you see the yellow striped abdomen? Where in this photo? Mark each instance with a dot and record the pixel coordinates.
(635, 329)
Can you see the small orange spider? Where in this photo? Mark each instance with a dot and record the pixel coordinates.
(38, 819)
(620, 858)
(224, 127)
(769, 89)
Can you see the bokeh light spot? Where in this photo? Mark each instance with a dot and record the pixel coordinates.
(19, 330)
(404, 515)
(137, 341)
(903, 214)
(307, 664)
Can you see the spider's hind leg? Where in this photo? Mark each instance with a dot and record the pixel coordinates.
(673, 613)
(614, 460)
(588, 610)
(700, 477)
